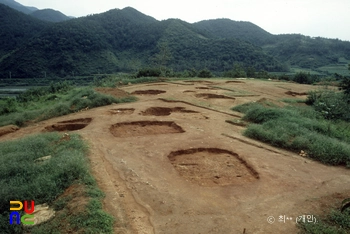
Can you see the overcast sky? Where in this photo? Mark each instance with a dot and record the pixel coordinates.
(325, 18)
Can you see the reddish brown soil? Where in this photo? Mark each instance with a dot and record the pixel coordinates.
(235, 81)
(148, 92)
(196, 191)
(295, 93)
(144, 128)
(8, 129)
(69, 125)
(122, 111)
(211, 95)
(212, 167)
(164, 111)
(189, 91)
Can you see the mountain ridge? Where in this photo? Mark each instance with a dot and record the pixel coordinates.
(127, 40)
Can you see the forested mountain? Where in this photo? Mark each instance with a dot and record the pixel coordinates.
(49, 15)
(127, 40)
(308, 52)
(226, 28)
(16, 29)
(17, 6)
(45, 14)
(292, 49)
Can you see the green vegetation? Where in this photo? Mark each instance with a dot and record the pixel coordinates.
(299, 128)
(22, 178)
(59, 99)
(336, 222)
(205, 73)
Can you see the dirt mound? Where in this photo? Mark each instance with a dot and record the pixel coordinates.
(144, 128)
(211, 95)
(8, 129)
(295, 93)
(212, 167)
(148, 92)
(234, 81)
(69, 125)
(122, 111)
(113, 92)
(42, 213)
(164, 111)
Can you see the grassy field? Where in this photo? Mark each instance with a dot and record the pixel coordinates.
(336, 222)
(47, 102)
(299, 128)
(23, 178)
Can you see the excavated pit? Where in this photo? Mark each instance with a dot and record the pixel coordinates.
(69, 125)
(144, 128)
(122, 111)
(295, 93)
(212, 167)
(189, 91)
(234, 81)
(165, 111)
(199, 81)
(211, 95)
(206, 88)
(148, 92)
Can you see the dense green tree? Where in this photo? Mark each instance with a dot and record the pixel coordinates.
(205, 73)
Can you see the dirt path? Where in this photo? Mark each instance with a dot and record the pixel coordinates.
(172, 167)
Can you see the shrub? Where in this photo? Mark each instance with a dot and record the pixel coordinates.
(332, 105)
(205, 73)
(148, 72)
(345, 85)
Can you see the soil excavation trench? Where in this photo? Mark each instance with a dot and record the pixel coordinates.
(164, 170)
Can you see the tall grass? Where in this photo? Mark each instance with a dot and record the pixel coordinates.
(21, 178)
(299, 129)
(334, 223)
(46, 107)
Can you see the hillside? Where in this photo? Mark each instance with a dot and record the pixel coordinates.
(17, 6)
(125, 40)
(16, 29)
(49, 15)
(308, 52)
(226, 28)
(292, 49)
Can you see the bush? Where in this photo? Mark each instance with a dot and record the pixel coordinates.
(205, 73)
(148, 72)
(345, 85)
(332, 105)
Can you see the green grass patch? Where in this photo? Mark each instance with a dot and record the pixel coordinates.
(334, 223)
(299, 128)
(38, 106)
(123, 79)
(21, 178)
(293, 100)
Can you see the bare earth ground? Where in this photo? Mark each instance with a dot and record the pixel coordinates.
(169, 163)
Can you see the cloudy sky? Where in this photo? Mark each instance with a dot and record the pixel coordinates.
(328, 18)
